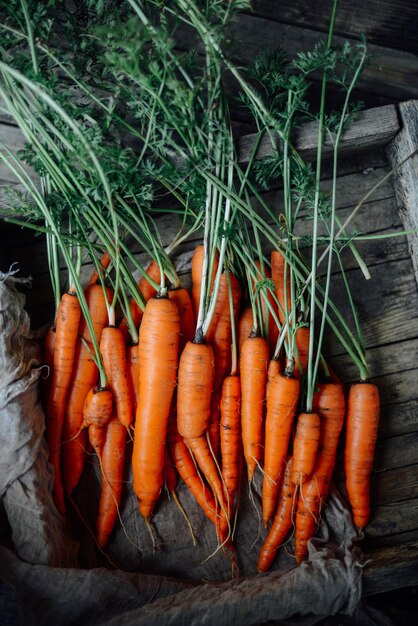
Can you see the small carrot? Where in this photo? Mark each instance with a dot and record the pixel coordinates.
(305, 446)
(362, 422)
(302, 350)
(104, 264)
(245, 325)
(278, 269)
(112, 460)
(282, 522)
(282, 401)
(147, 291)
(97, 407)
(268, 320)
(230, 435)
(67, 322)
(158, 355)
(253, 363)
(112, 348)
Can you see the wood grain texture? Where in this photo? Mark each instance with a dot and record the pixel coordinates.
(406, 177)
(391, 568)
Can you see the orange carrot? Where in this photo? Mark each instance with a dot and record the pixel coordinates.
(230, 433)
(158, 355)
(97, 407)
(195, 382)
(169, 473)
(68, 318)
(112, 460)
(84, 377)
(363, 411)
(197, 271)
(97, 438)
(302, 353)
(282, 522)
(132, 362)
(305, 446)
(329, 403)
(282, 400)
(278, 262)
(112, 348)
(274, 368)
(245, 325)
(253, 363)
(147, 292)
(187, 319)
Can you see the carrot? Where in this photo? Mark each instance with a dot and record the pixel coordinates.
(197, 272)
(278, 266)
(84, 377)
(282, 400)
(245, 325)
(158, 354)
(187, 318)
(97, 407)
(195, 382)
(132, 362)
(329, 403)
(282, 522)
(253, 364)
(147, 291)
(97, 438)
(48, 362)
(169, 473)
(363, 410)
(219, 336)
(272, 371)
(112, 460)
(230, 433)
(305, 446)
(68, 318)
(112, 348)
(104, 264)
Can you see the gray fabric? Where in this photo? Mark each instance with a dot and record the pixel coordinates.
(174, 584)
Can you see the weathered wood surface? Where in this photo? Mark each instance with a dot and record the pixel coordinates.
(406, 177)
(391, 568)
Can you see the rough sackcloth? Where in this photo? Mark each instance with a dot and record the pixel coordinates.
(60, 580)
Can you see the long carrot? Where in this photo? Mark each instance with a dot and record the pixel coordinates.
(158, 356)
(187, 318)
(329, 403)
(245, 325)
(268, 320)
(302, 353)
(253, 364)
(305, 446)
(132, 361)
(362, 422)
(230, 435)
(278, 268)
(67, 322)
(112, 348)
(84, 377)
(195, 382)
(282, 522)
(104, 264)
(282, 401)
(197, 271)
(112, 460)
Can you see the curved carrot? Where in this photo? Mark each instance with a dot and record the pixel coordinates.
(195, 382)
(363, 409)
(97, 407)
(282, 401)
(305, 446)
(84, 377)
(67, 322)
(112, 460)
(329, 403)
(282, 522)
(230, 435)
(158, 355)
(253, 363)
(147, 291)
(187, 319)
(283, 294)
(112, 348)
(273, 369)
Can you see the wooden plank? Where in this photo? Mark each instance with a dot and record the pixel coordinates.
(391, 568)
(397, 452)
(393, 519)
(393, 23)
(371, 129)
(406, 177)
(399, 418)
(394, 485)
